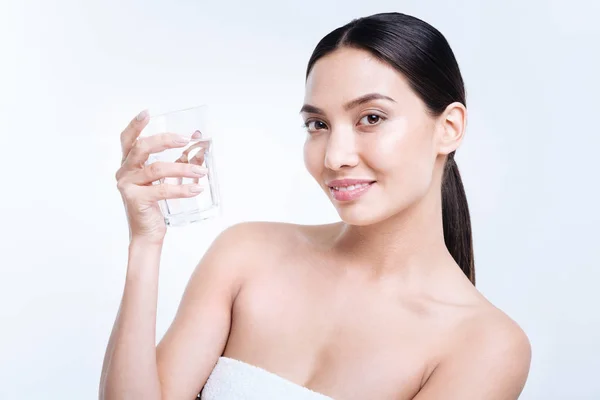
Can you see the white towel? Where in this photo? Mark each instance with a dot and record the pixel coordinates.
(236, 380)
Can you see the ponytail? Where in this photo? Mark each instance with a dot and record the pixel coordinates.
(456, 219)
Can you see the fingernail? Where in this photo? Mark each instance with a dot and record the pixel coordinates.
(197, 135)
(182, 139)
(142, 115)
(196, 189)
(199, 170)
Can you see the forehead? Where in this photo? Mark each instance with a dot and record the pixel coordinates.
(348, 73)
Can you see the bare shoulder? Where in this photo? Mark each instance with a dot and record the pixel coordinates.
(256, 242)
(488, 357)
(263, 235)
(274, 234)
(478, 325)
(492, 332)
(235, 253)
(199, 333)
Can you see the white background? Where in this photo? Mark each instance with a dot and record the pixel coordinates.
(73, 73)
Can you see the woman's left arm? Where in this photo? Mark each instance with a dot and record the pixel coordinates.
(492, 365)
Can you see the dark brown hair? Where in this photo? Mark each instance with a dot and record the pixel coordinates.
(422, 54)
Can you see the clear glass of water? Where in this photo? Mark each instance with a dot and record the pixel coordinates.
(200, 151)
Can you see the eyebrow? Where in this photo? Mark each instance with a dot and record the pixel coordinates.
(349, 105)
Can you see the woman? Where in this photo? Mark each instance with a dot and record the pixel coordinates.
(381, 305)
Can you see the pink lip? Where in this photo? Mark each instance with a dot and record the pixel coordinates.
(349, 195)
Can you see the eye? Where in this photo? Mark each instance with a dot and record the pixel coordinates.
(314, 125)
(372, 119)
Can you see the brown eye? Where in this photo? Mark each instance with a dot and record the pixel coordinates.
(314, 125)
(372, 119)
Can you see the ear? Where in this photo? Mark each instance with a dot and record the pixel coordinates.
(451, 123)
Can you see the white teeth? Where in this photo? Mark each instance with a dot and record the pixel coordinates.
(351, 187)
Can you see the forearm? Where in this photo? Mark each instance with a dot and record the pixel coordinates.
(130, 369)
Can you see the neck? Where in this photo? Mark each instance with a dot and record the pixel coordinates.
(410, 242)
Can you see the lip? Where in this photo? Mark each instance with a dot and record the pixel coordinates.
(349, 195)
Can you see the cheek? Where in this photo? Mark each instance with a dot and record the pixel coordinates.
(403, 157)
(313, 159)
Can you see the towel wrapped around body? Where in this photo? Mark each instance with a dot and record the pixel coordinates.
(236, 380)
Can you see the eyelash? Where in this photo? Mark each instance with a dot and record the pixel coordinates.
(381, 119)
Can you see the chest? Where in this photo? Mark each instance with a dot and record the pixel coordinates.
(349, 343)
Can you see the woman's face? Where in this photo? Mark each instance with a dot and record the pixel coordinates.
(388, 143)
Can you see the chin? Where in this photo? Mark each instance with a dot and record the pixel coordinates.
(361, 215)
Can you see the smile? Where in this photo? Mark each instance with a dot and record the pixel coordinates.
(350, 192)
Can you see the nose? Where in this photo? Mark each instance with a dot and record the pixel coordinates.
(341, 150)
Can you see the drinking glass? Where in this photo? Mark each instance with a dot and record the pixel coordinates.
(183, 211)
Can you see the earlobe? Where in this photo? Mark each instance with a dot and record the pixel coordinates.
(453, 123)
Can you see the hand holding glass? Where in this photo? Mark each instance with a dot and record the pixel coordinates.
(190, 123)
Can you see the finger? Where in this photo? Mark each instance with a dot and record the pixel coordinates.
(191, 150)
(145, 146)
(197, 158)
(197, 164)
(132, 131)
(164, 191)
(160, 170)
(185, 155)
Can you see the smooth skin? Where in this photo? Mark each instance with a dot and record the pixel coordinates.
(371, 307)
